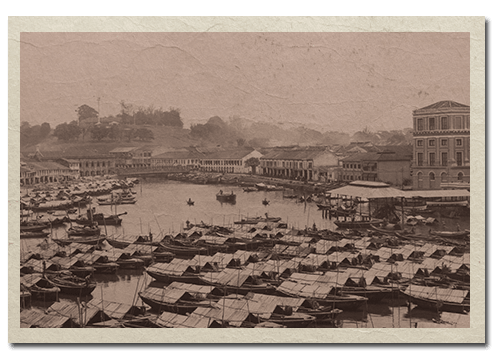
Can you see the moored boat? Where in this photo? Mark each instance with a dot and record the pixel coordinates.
(451, 234)
(357, 224)
(71, 284)
(227, 198)
(438, 299)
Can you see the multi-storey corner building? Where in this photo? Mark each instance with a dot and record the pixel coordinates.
(441, 146)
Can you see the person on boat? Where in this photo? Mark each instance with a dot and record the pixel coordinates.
(44, 267)
(458, 227)
(221, 192)
(87, 280)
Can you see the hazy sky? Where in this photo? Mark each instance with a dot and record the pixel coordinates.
(327, 81)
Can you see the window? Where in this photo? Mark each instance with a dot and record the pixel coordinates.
(467, 122)
(444, 177)
(420, 180)
(458, 122)
(460, 176)
(458, 142)
(420, 143)
(444, 142)
(459, 158)
(444, 123)
(444, 159)
(420, 159)
(432, 177)
(432, 143)
(420, 124)
(432, 124)
(432, 159)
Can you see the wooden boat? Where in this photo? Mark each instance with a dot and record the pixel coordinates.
(83, 231)
(40, 287)
(130, 263)
(190, 202)
(451, 234)
(373, 293)
(357, 224)
(438, 299)
(33, 235)
(71, 284)
(256, 220)
(227, 198)
(177, 271)
(33, 227)
(250, 189)
(265, 202)
(184, 251)
(117, 202)
(99, 218)
(293, 320)
(112, 220)
(90, 240)
(186, 277)
(105, 268)
(321, 312)
(175, 301)
(323, 206)
(337, 300)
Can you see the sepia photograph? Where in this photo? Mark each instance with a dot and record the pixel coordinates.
(304, 180)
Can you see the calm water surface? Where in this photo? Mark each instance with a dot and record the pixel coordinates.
(162, 209)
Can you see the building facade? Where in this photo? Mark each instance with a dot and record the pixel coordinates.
(228, 160)
(38, 172)
(441, 145)
(388, 167)
(300, 163)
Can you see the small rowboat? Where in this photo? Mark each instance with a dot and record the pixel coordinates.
(451, 234)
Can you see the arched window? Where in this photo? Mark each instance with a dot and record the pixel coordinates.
(432, 179)
(460, 176)
(444, 177)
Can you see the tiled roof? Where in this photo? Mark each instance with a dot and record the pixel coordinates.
(444, 104)
(232, 154)
(123, 149)
(295, 153)
(45, 166)
(377, 156)
(180, 154)
(359, 157)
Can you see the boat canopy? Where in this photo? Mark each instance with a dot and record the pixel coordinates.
(440, 294)
(427, 194)
(368, 190)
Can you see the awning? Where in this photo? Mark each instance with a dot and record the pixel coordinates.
(368, 192)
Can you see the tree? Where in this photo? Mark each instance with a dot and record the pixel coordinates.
(44, 130)
(241, 142)
(99, 132)
(252, 162)
(67, 131)
(126, 113)
(85, 112)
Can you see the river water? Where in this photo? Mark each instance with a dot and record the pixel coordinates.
(162, 208)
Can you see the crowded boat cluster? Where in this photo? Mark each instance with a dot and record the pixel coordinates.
(257, 272)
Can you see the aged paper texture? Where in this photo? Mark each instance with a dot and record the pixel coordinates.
(473, 25)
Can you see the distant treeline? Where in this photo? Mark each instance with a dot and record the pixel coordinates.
(133, 123)
(241, 132)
